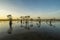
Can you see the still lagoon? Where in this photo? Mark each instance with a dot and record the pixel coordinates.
(43, 28)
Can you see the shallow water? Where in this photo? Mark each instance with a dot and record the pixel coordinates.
(53, 30)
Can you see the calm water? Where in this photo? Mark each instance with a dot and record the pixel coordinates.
(53, 30)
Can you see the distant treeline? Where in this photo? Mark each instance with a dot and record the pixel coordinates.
(30, 19)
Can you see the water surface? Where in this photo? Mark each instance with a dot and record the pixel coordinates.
(17, 27)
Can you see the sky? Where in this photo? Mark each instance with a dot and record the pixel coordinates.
(33, 8)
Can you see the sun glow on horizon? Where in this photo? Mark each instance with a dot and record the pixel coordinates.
(15, 15)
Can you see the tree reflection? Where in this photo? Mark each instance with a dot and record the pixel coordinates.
(50, 22)
(31, 22)
(10, 31)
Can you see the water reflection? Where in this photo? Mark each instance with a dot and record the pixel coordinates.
(53, 26)
(50, 23)
(10, 22)
(31, 25)
(10, 31)
(51, 20)
(21, 21)
(27, 25)
(39, 25)
(38, 28)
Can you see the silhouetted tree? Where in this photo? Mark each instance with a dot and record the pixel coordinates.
(39, 19)
(10, 20)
